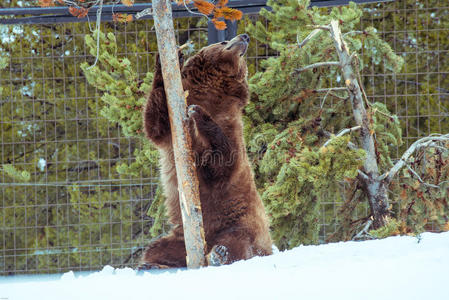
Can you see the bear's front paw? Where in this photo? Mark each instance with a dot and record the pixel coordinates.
(194, 111)
(218, 256)
(191, 110)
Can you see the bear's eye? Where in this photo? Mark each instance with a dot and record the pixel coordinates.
(223, 43)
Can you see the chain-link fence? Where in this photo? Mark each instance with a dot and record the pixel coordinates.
(69, 196)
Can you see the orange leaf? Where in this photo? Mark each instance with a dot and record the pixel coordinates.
(83, 12)
(220, 25)
(228, 13)
(122, 18)
(204, 6)
(46, 3)
(222, 3)
(78, 12)
(127, 2)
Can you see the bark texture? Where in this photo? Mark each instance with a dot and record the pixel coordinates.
(188, 185)
(375, 187)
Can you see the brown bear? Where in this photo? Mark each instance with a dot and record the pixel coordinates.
(235, 223)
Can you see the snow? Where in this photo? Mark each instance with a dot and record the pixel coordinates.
(392, 268)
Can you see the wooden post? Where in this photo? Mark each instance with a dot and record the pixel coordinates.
(182, 144)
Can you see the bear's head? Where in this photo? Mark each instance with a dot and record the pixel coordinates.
(220, 69)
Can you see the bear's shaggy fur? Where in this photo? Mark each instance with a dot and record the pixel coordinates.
(235, 222)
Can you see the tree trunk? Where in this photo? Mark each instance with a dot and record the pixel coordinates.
(188, 186)
(374, 186)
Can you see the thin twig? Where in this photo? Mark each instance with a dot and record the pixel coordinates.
(422, 181)
(343, 132)
(317, 65)
(97, 28)
(324, 99)
(353, 32)
(342, 88)
(193, 12)
(307, 39)
(322, 27)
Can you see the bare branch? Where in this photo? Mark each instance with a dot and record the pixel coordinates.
(353, 32)
(145, 12)
(343, 132)
(97, 28)
(422, 181)
(317, 65)
(324, 99)
(428, 141)
(193, 12)
(322, 27)
(331, 89)
(351, 145)
(363, 175)
(364, 231)
(307, 39)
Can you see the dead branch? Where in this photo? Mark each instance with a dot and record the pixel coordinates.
(422, 181)
(307, 39)
(322, 27)
(364, 231)
(318, 65)
(331, 89)
(428, 141)
(353, 32)
(375, 189)
(343, 132)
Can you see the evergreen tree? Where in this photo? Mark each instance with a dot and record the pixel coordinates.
(293, 111)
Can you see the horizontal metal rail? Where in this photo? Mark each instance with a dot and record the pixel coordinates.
(55, 15)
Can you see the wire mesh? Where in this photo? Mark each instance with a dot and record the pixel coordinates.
(76, 211)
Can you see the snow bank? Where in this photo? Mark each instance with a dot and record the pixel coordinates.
(393, 268)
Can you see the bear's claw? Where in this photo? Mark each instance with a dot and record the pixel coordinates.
(218, 256)
(192, 110)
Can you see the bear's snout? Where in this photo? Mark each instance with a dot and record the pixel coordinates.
(239, 43)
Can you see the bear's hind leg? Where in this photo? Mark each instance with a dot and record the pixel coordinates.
(166, 252)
